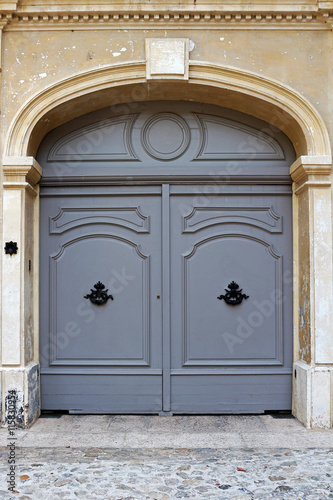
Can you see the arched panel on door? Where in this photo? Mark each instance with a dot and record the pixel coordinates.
(165, 139)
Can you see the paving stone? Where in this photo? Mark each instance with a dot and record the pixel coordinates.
(62, 483)
(283, 488)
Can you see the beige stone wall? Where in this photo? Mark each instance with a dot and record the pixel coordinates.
(45, 43)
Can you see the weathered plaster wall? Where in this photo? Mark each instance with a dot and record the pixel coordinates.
(304, 313)
(36, 59)
(29, 327)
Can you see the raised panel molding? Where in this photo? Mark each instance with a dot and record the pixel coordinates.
(225, 139)
(70, 218)
(106, 140)
(54, 331)
(229, 362)
(260, 217)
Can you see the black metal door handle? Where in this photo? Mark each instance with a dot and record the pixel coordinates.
(233, 296)
(98, 296)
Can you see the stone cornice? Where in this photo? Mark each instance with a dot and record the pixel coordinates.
(311, 14)
(325, 5)
(7, 7)
(19, 171)
(171, 20)
(311, 171)
(63, 6)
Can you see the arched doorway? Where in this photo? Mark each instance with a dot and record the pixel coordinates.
(170, 206)
(236, 89)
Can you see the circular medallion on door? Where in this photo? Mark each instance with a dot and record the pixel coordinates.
(165, 136)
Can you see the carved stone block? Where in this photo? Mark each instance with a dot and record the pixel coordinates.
(167, 58)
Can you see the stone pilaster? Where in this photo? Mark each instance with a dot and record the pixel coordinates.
(313, 367)
(19, 343)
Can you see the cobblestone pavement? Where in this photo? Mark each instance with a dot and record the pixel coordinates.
(148, 457)
(59, 473)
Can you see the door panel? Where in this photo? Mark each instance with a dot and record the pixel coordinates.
(126, 340)
(88, 347)
(230, 392)
(209, 324)
(231, 357)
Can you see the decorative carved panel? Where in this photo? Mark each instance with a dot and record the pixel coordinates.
(261, 217)
(225, 139)
(70, 218)
(106, 140)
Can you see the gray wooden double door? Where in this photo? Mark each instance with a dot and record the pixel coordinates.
(196, 312)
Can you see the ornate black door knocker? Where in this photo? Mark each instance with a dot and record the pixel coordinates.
(98, 296)
(233, 296)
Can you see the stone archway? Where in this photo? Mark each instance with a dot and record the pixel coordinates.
(244, 91)
(266, 99)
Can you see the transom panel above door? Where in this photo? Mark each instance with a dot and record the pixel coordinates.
(166, 262)
(165, 141)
